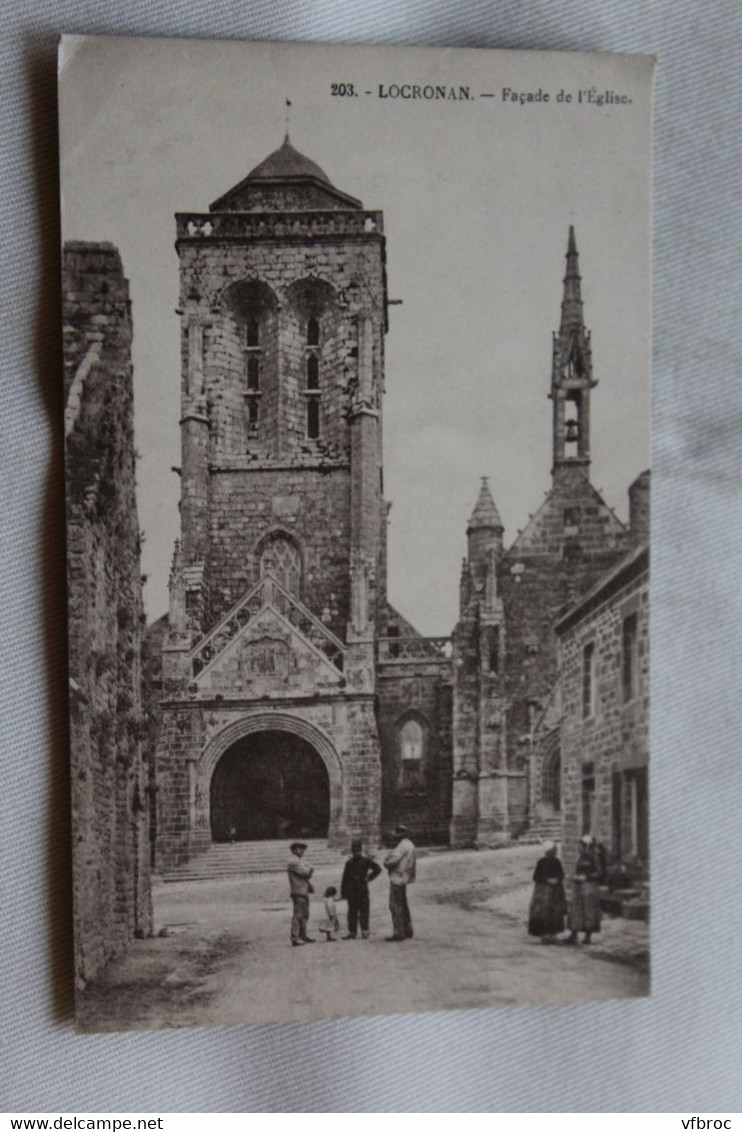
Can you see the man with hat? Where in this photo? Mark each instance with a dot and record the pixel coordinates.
(299, 875)
(400, 864)
(358, 872)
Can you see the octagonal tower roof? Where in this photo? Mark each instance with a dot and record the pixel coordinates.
(284, 181)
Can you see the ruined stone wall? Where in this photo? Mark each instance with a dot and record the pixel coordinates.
(423, 693)
(614, 736)
(109, 755)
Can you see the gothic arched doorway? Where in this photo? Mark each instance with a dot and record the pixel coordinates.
(551, 779)
(269, 784)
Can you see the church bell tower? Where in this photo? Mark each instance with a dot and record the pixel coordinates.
(572, 374)
(277, 583)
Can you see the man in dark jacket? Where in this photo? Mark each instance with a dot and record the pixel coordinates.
(358, 871)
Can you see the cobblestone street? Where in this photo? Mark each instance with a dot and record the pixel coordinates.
(224, 955)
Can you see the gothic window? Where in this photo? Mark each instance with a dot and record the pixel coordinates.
(253, 374)
(412, 748)
(312, 389)
(253, 358)
(281, 558)
(588, 680)
(628, 657)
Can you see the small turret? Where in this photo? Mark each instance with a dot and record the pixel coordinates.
(484, 534)
(639, 508)
(464, 587)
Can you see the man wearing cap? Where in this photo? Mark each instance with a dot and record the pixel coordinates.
(400, 864)
(299, 875)
(358, 872)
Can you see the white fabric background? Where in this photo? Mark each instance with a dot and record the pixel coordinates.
(677, 1051)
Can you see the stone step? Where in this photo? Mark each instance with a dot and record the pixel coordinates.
(245, 858)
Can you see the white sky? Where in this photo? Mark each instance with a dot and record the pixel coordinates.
(477, 200)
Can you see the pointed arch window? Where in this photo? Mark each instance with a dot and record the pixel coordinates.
(412, 755)
(281, 558)
(312, 390)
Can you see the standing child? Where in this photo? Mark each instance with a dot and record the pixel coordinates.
(331, 923)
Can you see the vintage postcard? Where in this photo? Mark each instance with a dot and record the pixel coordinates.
(356, 354)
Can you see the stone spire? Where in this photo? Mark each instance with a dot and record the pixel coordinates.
(572, 298)
(572, 372)
(484, 534)
(485, 515)
(573, 338)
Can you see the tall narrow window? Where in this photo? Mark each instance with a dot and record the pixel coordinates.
(411, 741)
(253, 374)
(312, 388)
(313, 419)
(588, 680)
(628, 657)
(251, 345)
(493, 647)
(588, 798)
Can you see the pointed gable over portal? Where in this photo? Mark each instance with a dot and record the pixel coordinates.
(269, 644)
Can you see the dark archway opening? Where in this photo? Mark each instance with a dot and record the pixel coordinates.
(551, 781)
(268, 785)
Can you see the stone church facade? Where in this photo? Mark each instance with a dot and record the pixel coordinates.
(295, 700)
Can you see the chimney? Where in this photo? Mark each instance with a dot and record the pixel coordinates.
(639, 509)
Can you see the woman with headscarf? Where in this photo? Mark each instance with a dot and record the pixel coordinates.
(548, 903)
(584, 908)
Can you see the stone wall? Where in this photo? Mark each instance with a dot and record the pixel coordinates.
(310, 507)
(567, 546)
(607, 748)
(251, 467)
(423, 693)
(194, 737)
(109, 754)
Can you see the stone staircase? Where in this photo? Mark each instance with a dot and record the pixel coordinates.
(246, 858)
(543, 829)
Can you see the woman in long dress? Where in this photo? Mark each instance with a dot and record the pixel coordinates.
(584, 907)
(548, 903)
